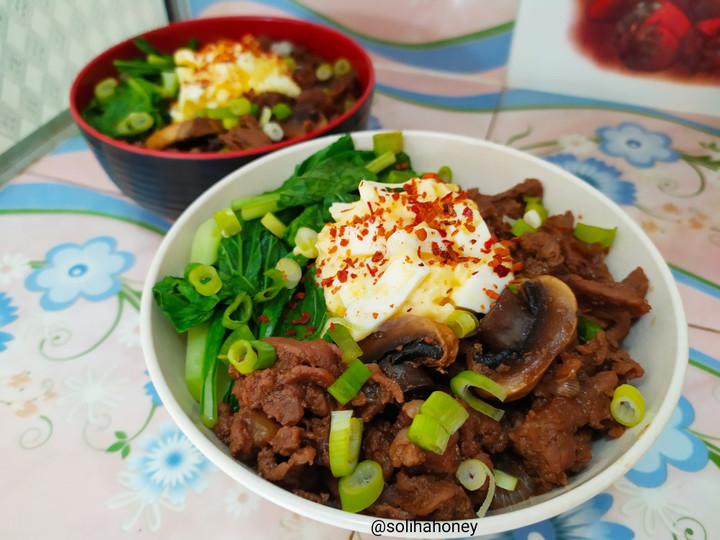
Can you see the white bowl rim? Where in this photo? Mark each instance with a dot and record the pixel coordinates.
(490, 524)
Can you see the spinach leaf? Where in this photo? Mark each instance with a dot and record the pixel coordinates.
(305, 318)
(182, 304)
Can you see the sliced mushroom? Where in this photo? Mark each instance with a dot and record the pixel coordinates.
(523, 333)
(414, 381)
(413, 340)
(177, 133)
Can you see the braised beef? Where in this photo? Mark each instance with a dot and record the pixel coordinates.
(281, 423)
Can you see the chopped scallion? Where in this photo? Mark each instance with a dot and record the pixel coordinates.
(521, 227)
(265, 115)
(446, 410)
(381, 162)
(350, 382)
(273, 224)
(135, 123)
(338, 330)
(586, 329)
(274, 131)
(591, 234)
(428, 433)
(362, 488)
(341, 67)
(306, 242)
(276, 278)
(243, 300)
(344, 442)
(324, 71)
(291, 272)
(228, 222)
(205, 243)
(472, 474)
(391, 141)
(255, 207)
(205, 279)
(503, 480)
(281, 111)
(463, 323)
(247, 356)
(240, 106)
(462, 385)
(105, 88)
(628, 405)
(445, 173)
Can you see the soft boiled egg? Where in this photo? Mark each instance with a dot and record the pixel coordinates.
(226, 70)
(421, 247)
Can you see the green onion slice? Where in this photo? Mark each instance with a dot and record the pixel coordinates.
(242, 301)
(428, 433)
(381, 162)
(291, 272)
(255, 207)
(350, 382)
(205, 279)
(342, 66)
(445, 174)
(229, 123)
(521, 227)
(587, 329)
(362, 487)
(276, 277)
(324, 71)
(388, 142)
(306, 242)
(273, 224)
(505, 481)
(240, 106)
(628, 405)
(472, 474)
(105, 88)
(228, 222)
(281, 111)
(265, 115)
(462, 385)
(247, 356)
(534, 204)
(591, 234)
(205, 243)
(135, 123)
(463, 323)
(338, 329)
(446, 410)
(344, 442)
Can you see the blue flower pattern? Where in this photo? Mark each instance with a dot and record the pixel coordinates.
(584, 521)
(7, 315)
(152, 392)
(675, 446)
(598, 174)
(639, 147)
(72, 271)
(169, 465)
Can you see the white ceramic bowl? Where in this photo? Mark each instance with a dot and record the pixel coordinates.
(658, 341)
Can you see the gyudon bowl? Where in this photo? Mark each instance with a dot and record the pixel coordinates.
(201, 102)
(657, 341)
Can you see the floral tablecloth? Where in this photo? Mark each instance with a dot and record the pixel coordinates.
(90, 452)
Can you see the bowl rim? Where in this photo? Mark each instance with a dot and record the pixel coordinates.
(495, 523)
(231, 154)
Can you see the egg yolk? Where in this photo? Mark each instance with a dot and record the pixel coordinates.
(421, 247)
(226, 70)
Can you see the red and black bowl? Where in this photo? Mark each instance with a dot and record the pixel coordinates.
(166, 182)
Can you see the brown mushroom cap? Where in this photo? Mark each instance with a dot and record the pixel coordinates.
(175, 133)
(524, 332)
(411, 339)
